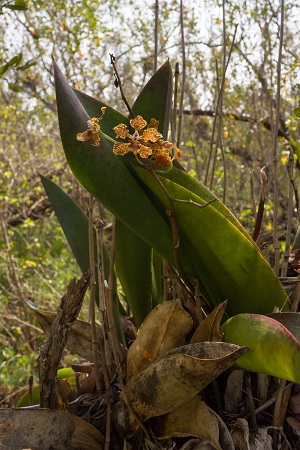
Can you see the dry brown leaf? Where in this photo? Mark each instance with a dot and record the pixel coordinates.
(193, 418)
(46, 429)
(240, 435)
(163, 329)
(179, 375)
(260, 440)
(294, 423)
(284, 405)
(197, 444)
(234, 392)
(245, 439)
(262, 387)
(80, 337)
(294, 404)
(209, 328)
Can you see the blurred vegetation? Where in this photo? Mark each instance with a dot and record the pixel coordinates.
(35, 260)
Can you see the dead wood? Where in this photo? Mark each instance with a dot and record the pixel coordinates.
(51, 352)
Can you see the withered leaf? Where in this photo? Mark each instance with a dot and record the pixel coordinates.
(46, 429)
(163, 329)
(203, 423)
(178, 375)
(209, 328)
(234, 392)
(80, 337)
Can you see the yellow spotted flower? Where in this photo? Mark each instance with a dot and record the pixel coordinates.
(138, 142)
(93, 131)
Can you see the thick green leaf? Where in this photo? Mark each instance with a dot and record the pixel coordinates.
(196, 187)
(133, 265)
(233, 263)
(157, 279)
(111, 117)
(73, 220)
(133, 255)
(155, 99)
(272, 348)
(75, 226)
(106, 176)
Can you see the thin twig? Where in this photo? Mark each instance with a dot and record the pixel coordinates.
(220, 131)
(277, 411)
(23, 322)
(108, 424)
(113, 338)
(156, 36)
(217, 107)
(261, 206)
(118, 84)
(275, 142)
(254, 212)
(180, 115)
(109, 307)
(198, 302)
(219, 142)
(296, 298)
(250, 401)
(174, 115)
(267, 404)
(166, 281)
(93, 294)
(12, 261)
(106, 357)
(217, 122)
(287, 250)
(30, 387)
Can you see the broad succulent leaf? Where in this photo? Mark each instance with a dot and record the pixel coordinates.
(273, 350)
(234, 263)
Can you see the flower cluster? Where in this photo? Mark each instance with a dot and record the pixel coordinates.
(93, 131)
(145, 144)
